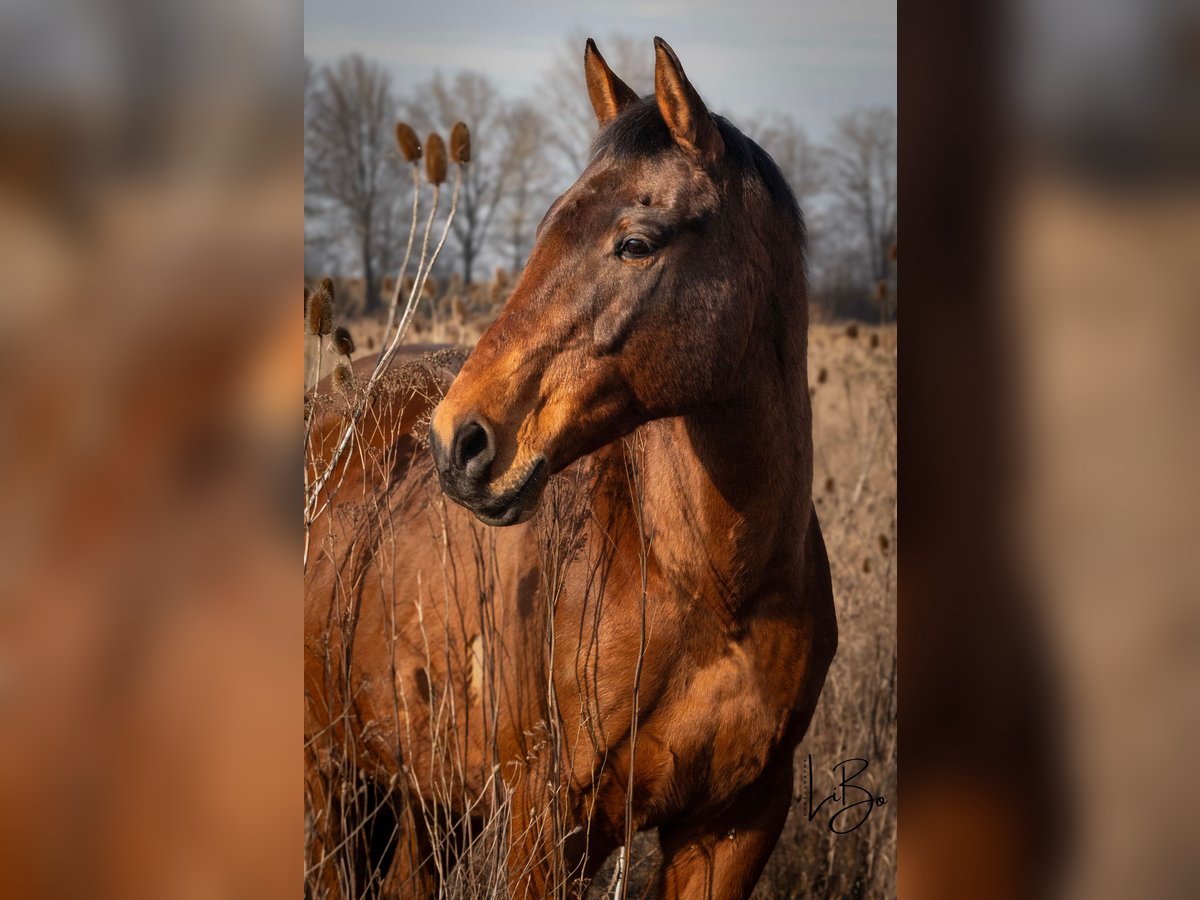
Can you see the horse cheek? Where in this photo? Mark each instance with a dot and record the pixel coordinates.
(611, 327)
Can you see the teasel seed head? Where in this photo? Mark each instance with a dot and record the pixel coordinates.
(406, 140)
(320, 309)
(343, 379)
(460, 143)
(343, 342)
(435, 158)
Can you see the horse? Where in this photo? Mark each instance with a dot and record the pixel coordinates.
(582, 591)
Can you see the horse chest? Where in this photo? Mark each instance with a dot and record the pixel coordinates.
(723, 725)
(708, 725)
(712, 707)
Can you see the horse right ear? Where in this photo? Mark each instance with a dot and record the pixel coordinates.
(609, 94)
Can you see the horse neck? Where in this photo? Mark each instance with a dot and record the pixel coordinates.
(724, 493)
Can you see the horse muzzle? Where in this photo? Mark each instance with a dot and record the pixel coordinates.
(464, 469)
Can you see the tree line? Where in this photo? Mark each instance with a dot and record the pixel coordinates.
(527, 150)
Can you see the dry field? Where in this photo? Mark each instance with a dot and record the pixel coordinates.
(853, 385)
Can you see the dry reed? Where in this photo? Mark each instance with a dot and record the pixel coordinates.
(320, 309)
(435, 159)
(342, 342)
(408, 142)
(460, 144)
(343, 379)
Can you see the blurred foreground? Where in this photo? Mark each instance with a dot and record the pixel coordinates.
(150, 211)
(1049, 625)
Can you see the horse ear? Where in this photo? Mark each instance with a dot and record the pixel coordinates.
(682, 109)
(609, 94)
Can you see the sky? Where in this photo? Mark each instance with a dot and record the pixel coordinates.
(813, 59)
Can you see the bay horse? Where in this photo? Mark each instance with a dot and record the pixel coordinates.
(643, 644)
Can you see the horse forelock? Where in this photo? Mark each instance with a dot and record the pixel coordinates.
(640, 132)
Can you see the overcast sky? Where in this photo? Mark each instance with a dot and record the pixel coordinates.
(814, 59)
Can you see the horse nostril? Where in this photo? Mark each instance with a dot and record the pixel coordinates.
(472, 450)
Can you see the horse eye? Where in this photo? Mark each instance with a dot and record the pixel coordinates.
(635, 248)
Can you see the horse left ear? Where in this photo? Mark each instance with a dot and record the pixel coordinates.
(682, 109)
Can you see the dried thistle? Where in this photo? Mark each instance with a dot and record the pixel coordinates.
(874, 341)
(435, 158)
(460, 143)
(881, 291)
(883, 543)
(406, 140)
(823, 375)
(320, 309)
(852, 330)
(343, 379)
(343, 342)
(892, 252)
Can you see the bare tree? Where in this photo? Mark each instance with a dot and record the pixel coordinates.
(801, 161)
(531, 180)
(351, 162)
(862, 169)
(471, 98)
(564, 92)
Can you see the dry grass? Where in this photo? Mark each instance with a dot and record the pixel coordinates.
(854, 483)
(852, 373)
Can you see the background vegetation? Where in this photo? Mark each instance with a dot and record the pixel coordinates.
(531, 148)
